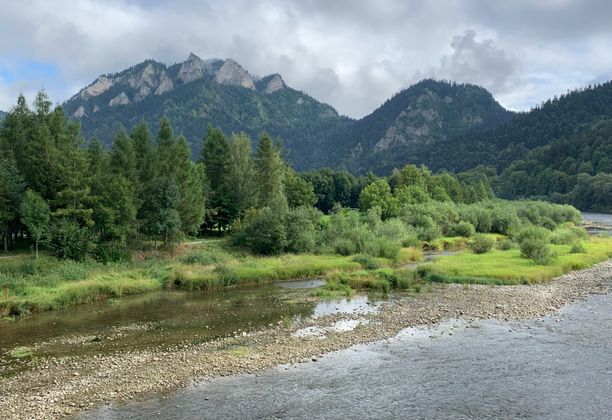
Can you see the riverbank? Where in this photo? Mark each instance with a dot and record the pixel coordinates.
(54, 387)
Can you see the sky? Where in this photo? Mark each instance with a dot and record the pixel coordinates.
(351, 54)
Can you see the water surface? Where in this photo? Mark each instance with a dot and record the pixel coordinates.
(559, 367)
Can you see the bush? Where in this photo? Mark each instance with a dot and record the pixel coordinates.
(465, 229)
(578, 248)
(367, 261)
(536, 249)
(301, 228)
(386, 248)
(344, 247)
(481, 244)
(568, 235)
(506, 245)
(199, 257)
(263, 232)
(69, 240)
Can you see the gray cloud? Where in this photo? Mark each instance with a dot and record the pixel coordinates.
(351, 54)
(479, 62)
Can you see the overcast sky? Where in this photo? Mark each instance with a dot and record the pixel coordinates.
(351, 54)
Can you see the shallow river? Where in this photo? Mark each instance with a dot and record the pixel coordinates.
(557, 367)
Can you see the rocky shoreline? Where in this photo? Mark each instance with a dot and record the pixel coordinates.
(56, 388)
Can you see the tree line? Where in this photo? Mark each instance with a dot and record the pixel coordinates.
(83, 200)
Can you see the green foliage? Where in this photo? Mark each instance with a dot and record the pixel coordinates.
(70, 240)
(35, 214)
(578, 248)
(302, 229)
(481, 244)
(264, 232)
(533, 243)
(378, 194)
(465, 229)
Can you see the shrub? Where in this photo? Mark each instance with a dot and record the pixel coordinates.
(428, 234)
(263, 232)
(536, 249)
(481, 244)
(69, 240)
(387, 248)
(199, 257)
(301, 229)
(465, 229)
(366, 261)
(344, 247)
(578, 248)
(506, 245)
(567, 235)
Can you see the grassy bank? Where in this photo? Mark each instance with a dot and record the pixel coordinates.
(509, 267)
(28, 285)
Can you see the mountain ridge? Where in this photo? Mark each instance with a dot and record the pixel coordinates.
(196, 92)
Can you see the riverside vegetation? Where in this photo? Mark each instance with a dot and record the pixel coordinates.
(119, 222)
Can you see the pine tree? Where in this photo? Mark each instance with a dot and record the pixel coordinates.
(190, 181)
(216, 158)
(123, 158)
(166, 146)
(270, 175)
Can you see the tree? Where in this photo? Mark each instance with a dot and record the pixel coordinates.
(216, 158)
(11, 194)
(270, 175)
(166, 147)
(299, 192)
(35, 214)
(190, 180)
(378, 194)
(241, 173)
(123, 158)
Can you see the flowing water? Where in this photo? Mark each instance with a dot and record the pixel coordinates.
(162, 320)
(559, 367)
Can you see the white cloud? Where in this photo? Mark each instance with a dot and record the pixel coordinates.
(351, 54)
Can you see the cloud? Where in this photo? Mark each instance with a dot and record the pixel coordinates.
(351, 54)
(481, 63)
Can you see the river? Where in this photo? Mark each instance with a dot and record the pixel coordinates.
(558, 367)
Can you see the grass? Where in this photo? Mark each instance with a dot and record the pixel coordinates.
(28, 286)
(508, 267)
(21, 352)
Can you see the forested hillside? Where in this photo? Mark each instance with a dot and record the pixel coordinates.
(574, 169)
(426, 113)
(556, 118)
(198, 93)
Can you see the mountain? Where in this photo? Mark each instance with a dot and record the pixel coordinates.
(424, 114)
(196, 93)
(574, 169)
(2, 115)
(556, 118)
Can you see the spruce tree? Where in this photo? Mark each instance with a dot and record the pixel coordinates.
(216, 158)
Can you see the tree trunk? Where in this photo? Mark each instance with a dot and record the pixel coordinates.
(36, 249)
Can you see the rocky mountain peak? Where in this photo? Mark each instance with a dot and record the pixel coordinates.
(273, 83)
(192, 69)
(232, 73)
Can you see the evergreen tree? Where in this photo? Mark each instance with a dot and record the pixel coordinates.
(270, 175)
(216, 158)
(190, 181)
